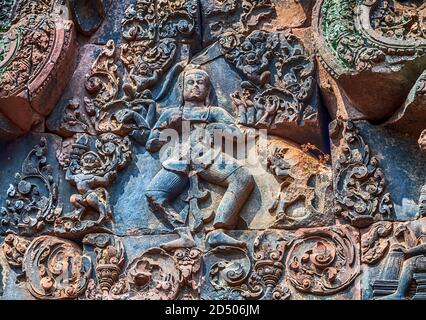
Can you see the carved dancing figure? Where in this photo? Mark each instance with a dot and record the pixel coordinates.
(79, 173)
(91, 172)
(212, 165)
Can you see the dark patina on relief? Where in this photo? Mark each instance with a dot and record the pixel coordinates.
(212, 149)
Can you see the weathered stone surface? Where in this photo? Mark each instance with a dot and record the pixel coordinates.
(42, 276)
(35, 62)
(299, 203)
(294, 14)
(369, 65)
(8, 129)
(270, 267)
(13, 288)
(393, 261)
(360, 186)
(90, 165)
(30, 177)
(377, 176)
(110, 27)
(283, 265)
(410, 118)
(240, 16)
(404, 174)
(244, 16)
(89, 15)
(73, 95)
(213, 149)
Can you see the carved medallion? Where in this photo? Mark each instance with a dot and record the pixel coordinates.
(323, 262)
(38, 50)
(55, 268)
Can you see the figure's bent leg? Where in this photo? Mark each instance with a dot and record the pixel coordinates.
(242, 115)
(98, 200)
(406, 277)
(162, 190)
(404, 280)
(240, 186)
(251, 115)
(80, 204)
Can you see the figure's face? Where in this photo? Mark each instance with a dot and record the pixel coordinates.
(196, 87)
(89, 161)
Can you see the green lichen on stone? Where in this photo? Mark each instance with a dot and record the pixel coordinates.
(6, 7)
(3, 48)
(346, 42)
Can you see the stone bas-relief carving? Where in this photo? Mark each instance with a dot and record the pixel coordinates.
(212, 165)
(90, 171)
(37, 47)
(280, 93)
(304, 182)
(359, 183)
(371, 47)
(37, 54)
(400, 250)
(43, 265)
(188, 156)
(32, 201)
(400, 19)
(283, 265)
(275, 265)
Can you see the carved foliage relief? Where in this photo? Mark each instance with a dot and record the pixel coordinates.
(37, 39)
(270, 98)
(359, 182)
(122, 188)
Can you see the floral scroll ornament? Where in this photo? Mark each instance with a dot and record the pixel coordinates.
(323, 261)
(359, 182)
(55, 268)
(231, 274)
(375, 243)
(32, 201)
(279, 87)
